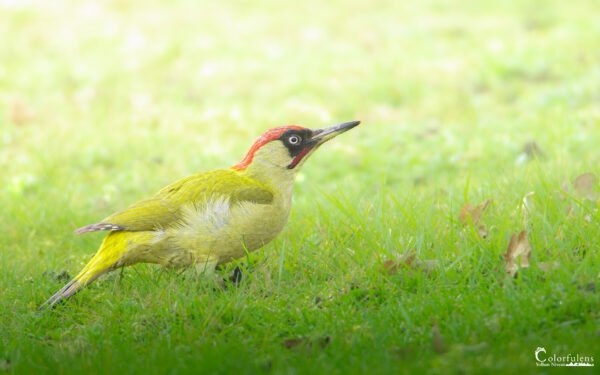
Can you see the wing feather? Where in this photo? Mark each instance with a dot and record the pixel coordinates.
(165, 208)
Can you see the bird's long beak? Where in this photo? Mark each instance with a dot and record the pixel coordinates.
(321, 136)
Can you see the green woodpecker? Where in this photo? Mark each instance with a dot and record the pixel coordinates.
(209, 218)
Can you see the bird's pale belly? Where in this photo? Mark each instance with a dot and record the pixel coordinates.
(218, 232)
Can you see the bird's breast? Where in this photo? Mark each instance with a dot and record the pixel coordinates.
(221, 230)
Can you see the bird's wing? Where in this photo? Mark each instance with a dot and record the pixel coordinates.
(165, 208)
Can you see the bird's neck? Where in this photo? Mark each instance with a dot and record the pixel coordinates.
(281, 180)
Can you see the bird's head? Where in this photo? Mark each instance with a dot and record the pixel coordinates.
(288, 147)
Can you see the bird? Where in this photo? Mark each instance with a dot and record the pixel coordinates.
(209, 218)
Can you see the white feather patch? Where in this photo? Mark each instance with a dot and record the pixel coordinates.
(213, 215)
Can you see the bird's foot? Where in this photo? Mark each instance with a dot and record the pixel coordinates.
(235, 277)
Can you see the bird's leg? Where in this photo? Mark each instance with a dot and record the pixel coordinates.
(205, 269)
(121, 273)
(235, 277)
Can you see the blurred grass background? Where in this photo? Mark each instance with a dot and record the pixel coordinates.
(102, 103)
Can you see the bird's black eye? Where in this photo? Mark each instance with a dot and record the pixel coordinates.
(295, 140)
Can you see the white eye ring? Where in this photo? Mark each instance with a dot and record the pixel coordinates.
(294, 140)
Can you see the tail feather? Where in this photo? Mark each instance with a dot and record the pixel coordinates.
(105, 260)
(99, 226)
(86, 277)
(65, 292)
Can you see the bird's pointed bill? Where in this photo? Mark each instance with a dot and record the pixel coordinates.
(321, 136)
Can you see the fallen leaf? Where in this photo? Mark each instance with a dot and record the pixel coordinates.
(437, 341)
(409, 261)
(548, 266)
(527, 207)
(585, 185)
(428, 133)
(294, 342)
(518, 247)
(532, 150)
(483, 231)
(321, 342)
(391, 266)
(472, 214)
(526, 201)
(21, 114)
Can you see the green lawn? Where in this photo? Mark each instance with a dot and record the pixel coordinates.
(103, 103)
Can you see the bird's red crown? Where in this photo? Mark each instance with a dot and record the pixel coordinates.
(268, 136)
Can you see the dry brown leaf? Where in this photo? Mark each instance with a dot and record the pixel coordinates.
(391, 266)
(409, 261)
(518, 247)
(294, 342)
(532, 150)
(527, 207)
(483, 231)
(548, 266)
(472, 214)
(21, 114)
(322, 342)
(437, 341)
(585, 185)
(526, 203)
(428, 132)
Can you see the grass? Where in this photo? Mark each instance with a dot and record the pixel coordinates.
(103, 103)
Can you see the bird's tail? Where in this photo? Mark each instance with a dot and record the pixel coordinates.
(105, 260)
